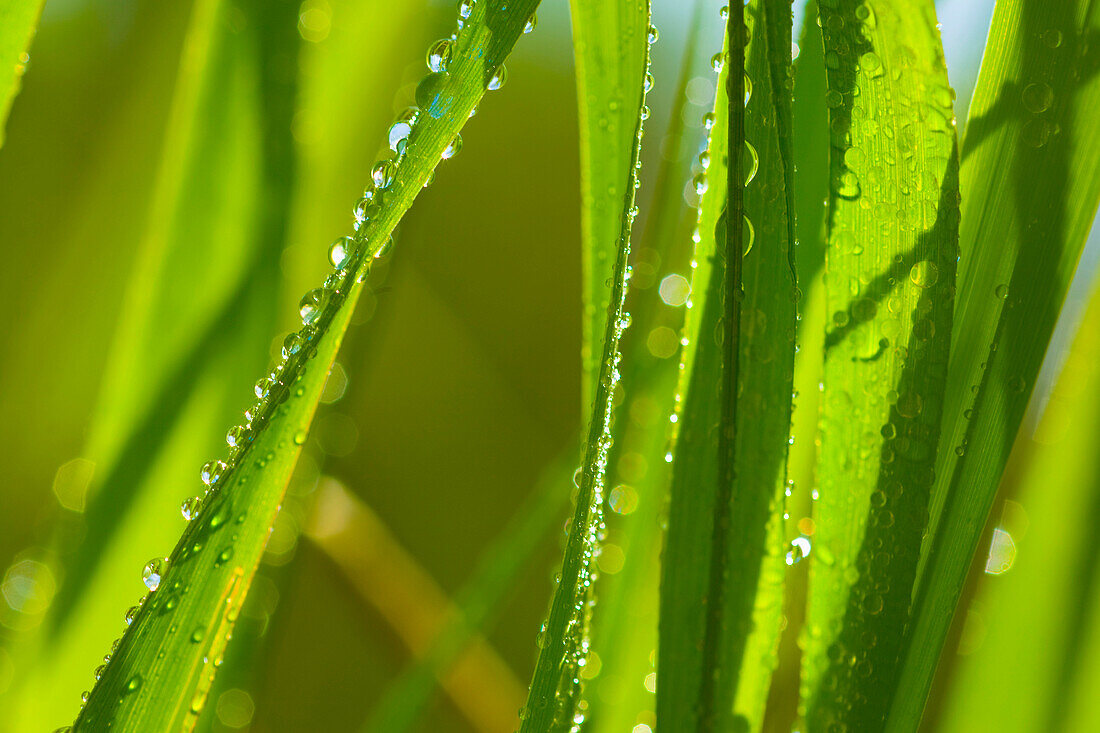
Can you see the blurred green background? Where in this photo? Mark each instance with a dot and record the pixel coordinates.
(462, 375)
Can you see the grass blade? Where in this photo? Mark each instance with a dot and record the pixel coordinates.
(202, 584)
(476, 603)
(612, 51)
(163, 395)
(732, 647)
(1036, 616)
(18, 20)
(889, 282)
(1024, 224)
(624, 632)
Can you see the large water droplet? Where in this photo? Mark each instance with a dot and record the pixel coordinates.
(924, 274)
(340, 252)
(1037, 97)
(190, 507)
(497, 79)
(401, 129)
(312, 305)
(153, 572)
(453, 148)
(439, 55)
(211, 472)
(382, 173)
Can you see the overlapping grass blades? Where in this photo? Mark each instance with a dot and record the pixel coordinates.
(18, 20)
(1030, 186)
(173, 378)
(612, 55)
(624, 630)
(889, 286)
(720, 627)
(1034, 628)
(161, 673)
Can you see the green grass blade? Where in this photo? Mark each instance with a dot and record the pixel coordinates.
(164, 395)
(162, 671)
(1037, 616)
(612, 49)
(477, 601)
(889, 284)
(1030, 184)
(624, 632)
(18, 21)
(743, 635)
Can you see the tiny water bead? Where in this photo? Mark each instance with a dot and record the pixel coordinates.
(439, 55)
(339, 253)
(465, 8)
(531, 24)
(237, 436)
(312, 305)
(383, 173)
(1037, 97)
(497, 79)
(212, 471)
(401, 129)
(800, 548)
(452, 148)
(153, 572)
(190, 507)
(924, 274)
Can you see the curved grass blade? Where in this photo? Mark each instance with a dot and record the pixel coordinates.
(720, 627)
(1024, 224)
(1037, 615)
(163, 394)
(389, 579)
(889, 283)
(161, 674)
(612, 50)
(477, 603)
(624, 632)
(18, 21)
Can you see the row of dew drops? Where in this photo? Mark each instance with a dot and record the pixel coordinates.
(576, 632)
(319, 305)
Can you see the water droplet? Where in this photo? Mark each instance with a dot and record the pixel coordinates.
(312, 305)
(439, 55)
(98, 673)
(237, 436)
(1017, 384)
(401, 129)
(716, 62)
(190, 507)
(648, 82)
(384, 248)
(300, 437)
(429, 95)
(532, 22)
(1037, 97)
(1052, 38)
(465, 7)
(134, 684)
(708, 120)
(292, 344)
(131, 614)
(700, 183)
(833, 99)
(211, 472)
(453, 148)
(382, 173)
(752, 161)
(497, 79)
(1035, 132)
(924, 274)
(800, 548)
(1001, 291)
(653, 35)
(153, 572)
(749, 236)
(340, 253)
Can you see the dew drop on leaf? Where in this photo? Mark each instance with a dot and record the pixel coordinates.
(153, 573)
